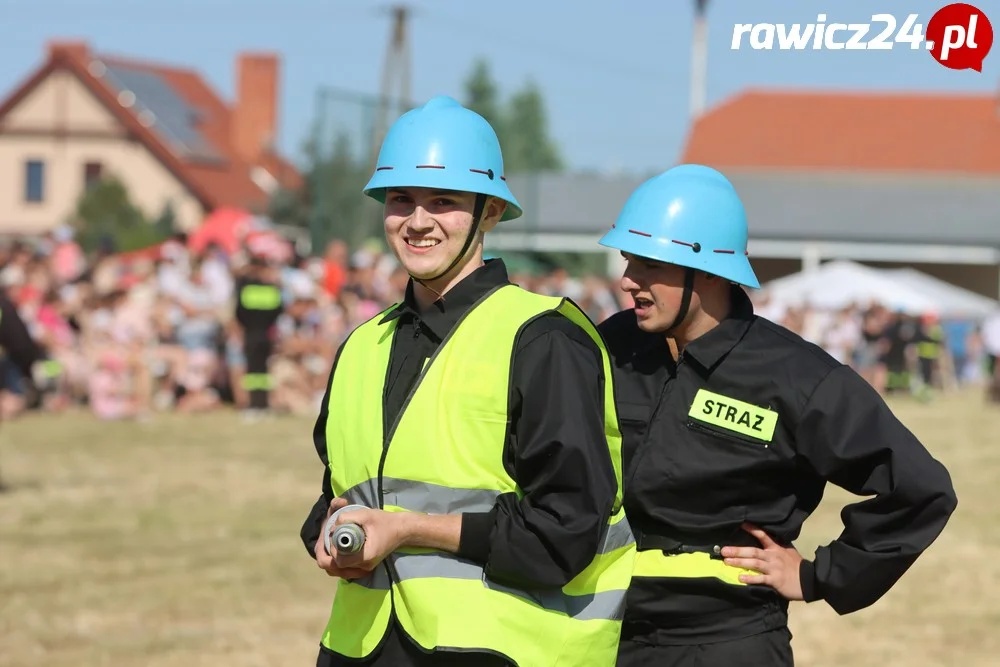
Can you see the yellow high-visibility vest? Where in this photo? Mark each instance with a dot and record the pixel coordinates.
(445, 455)
(931, 349)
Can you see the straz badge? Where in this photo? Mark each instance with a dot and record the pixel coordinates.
(733, 415)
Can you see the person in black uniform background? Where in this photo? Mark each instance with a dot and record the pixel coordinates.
(900, 334)
(17, 346)
(258, 307)
(732, 427)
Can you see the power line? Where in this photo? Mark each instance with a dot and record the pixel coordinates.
(565, 55)
(397, 74)
(236, 13)
(230, 13)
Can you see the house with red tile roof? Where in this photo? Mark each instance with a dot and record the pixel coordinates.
(162, 130)
(887, 179)
(886, 133)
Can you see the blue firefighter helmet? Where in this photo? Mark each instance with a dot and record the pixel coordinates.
(690, 216)
(442, 145)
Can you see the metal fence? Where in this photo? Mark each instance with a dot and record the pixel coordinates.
(347, 131)
(362, 117)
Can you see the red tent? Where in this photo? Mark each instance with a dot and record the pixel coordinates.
(226, 227)
(149, 253)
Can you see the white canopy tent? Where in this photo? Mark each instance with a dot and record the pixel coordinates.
(956, 302)
(839, 284)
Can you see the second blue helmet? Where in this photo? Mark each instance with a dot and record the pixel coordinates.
(442, 145)
(690, 216)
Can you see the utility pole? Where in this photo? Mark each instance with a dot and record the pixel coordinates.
(396, 76)
(699, 60)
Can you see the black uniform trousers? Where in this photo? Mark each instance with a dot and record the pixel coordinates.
(257, 348)
(767, 649)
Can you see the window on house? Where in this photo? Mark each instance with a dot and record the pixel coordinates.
(91, 174)
(34, 181)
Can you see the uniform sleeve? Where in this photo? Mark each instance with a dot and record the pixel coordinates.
(16, 340)
(851, 438)
(313, 524)
(241, 311)
(259, 319)
(559, 457)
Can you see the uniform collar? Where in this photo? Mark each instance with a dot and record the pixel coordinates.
(442, 315)
(712, 346)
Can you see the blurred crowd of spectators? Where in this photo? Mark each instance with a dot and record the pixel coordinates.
(138, 333)
(131, 335)
(894, 351)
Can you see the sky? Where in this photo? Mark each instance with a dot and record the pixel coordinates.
(615, 75)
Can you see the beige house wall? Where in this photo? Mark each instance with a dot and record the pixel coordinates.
(64, 126)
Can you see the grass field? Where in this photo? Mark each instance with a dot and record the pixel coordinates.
(175, 543)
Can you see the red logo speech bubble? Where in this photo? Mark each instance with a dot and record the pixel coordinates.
(960, 36)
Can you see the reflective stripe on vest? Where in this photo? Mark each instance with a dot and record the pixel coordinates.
(655, 564)
(445, 455)
(257, 381)
(400, 493)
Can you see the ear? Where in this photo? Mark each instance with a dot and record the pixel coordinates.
(492, 213)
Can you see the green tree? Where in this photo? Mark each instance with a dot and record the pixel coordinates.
(293, 207)
(105, 213)
(483, 97)
(337, 207)
(521, 124)
(331, 204)
(529, 148)
(166, 222)
(288, 207)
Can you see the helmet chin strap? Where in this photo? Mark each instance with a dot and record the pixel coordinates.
(682, 312)
(477, 217)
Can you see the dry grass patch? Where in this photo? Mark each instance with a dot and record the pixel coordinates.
(175, 543)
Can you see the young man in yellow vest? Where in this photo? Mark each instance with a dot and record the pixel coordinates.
(477, 421)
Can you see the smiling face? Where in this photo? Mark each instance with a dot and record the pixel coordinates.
(657, 289)
(427, 229)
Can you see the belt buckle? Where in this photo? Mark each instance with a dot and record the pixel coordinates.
(714, 552)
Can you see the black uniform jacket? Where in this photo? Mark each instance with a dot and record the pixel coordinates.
(253, 320)
(15, 340)
(700, 460)
(556, 450)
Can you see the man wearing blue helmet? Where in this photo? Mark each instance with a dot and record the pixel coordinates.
(476, 423)
(732, 427)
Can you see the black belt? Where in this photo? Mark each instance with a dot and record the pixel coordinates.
(692, 544)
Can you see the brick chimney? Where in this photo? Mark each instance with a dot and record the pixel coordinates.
(78, 50)
(255, 115)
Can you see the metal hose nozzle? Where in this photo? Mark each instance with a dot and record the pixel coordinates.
(347, 538)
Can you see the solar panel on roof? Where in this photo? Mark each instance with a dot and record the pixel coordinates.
(175, 119)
